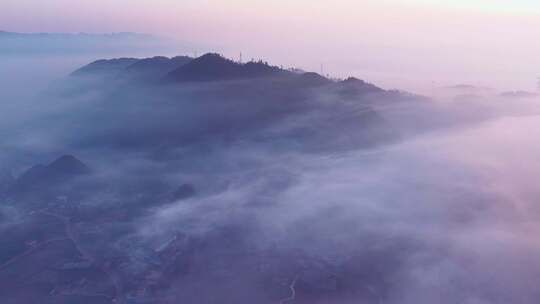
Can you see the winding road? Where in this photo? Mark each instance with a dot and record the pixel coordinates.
(292, 287)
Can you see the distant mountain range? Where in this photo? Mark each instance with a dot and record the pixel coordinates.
(519, 94)
(120, 35)
(12, 43)
(467, 87)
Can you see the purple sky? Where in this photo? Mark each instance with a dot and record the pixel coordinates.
(409, 44)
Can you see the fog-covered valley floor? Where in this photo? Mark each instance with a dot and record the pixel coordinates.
(204, 180)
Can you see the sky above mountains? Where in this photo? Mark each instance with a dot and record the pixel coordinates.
(409, 44)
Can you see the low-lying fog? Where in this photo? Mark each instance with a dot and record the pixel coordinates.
(377, 198)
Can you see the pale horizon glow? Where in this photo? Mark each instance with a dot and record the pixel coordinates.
(406, 44)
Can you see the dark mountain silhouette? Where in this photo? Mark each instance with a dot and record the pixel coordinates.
(105, 67)
(41, 177)
(68, 165)
(214, 67)
(265, 96)
(133, 69)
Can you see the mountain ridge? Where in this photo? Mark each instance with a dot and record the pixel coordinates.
(214, 67)
(60, 170)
